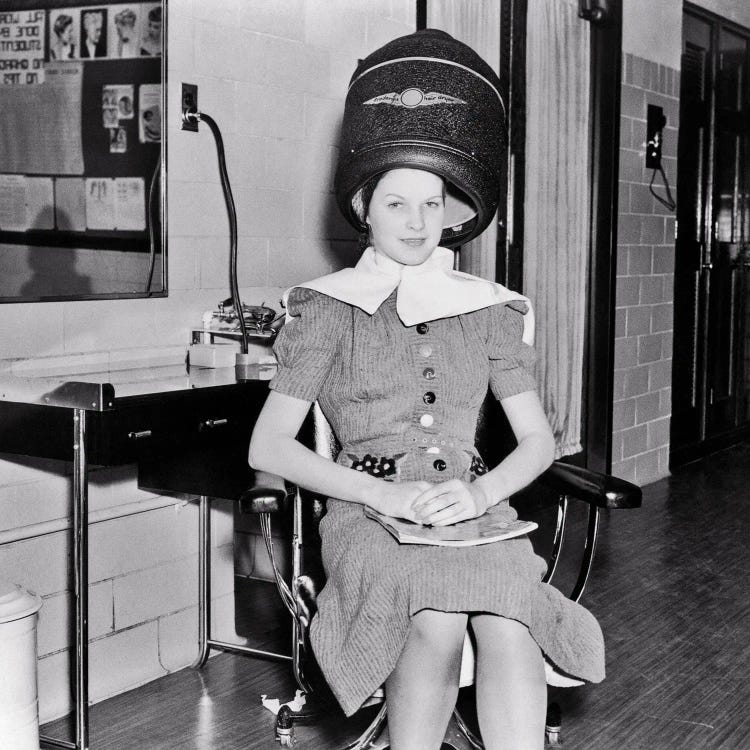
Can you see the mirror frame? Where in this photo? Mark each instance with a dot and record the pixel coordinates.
(161, 257)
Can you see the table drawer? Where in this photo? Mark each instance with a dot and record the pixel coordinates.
(188, 420)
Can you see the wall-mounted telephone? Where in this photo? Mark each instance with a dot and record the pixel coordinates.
(655, 122)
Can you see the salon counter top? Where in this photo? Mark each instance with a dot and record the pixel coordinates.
(102, 391)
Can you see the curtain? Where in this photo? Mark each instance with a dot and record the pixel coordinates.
(556, 210)
(477, 24)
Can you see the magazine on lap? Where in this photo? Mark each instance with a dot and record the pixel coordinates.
(491, 527)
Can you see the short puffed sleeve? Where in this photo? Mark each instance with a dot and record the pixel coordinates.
(511, 360)
(306, 345)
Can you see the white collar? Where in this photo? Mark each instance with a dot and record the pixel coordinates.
(429, 291)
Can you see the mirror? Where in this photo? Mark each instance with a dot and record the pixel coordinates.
(82, 150)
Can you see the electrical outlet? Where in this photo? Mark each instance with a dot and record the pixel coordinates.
(189, 105)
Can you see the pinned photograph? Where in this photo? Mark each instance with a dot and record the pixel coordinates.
(149, 113)
(109, 117)
(125, 105)
(109, 96)
(125, 101)
(93, 38)
(63, 34)
(118, 102)
(118, 141)
(125, 30)
(151, 30)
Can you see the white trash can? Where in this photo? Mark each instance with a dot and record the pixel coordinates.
(19, 708)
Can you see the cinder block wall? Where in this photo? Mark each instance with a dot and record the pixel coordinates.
(645, 279)
(274, 76)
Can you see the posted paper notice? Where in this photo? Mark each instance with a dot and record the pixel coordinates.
(130, 204)
(13, 203)
(100, 203)
(70, 204)
(22, 47)
(40, 126)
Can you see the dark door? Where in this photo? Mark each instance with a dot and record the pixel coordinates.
(710, 371)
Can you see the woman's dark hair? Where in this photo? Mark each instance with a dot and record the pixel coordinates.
(366, 193)
(61, 23)
(361, 203)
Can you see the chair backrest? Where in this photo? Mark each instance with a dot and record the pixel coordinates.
(494, 438)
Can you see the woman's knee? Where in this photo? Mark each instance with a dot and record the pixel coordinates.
(442, 632)
(502, 636)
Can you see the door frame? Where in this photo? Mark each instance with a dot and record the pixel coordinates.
(705, 443)
(599, 354)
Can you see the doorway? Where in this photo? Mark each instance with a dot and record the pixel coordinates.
(711, 374)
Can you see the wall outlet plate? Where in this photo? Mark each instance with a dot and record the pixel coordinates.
(189, 104)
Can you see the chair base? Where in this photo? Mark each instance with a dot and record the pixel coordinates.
(375, 737)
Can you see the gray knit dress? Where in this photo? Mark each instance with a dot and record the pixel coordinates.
(403, 403)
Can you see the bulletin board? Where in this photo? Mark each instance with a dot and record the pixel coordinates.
(81, 124)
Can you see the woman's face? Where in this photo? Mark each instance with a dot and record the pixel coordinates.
(66, 35)
(405, 215)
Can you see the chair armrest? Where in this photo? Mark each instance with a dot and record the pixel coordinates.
(599, 490)
(266, 494)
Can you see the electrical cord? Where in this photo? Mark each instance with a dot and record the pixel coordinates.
(668, 201)
(232, 212)
(151, 222)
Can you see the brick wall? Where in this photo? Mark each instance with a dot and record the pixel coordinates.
(645, 279)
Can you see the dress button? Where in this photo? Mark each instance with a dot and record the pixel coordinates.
(425, 350)
(429, 397)
(426, 420)
(423, 328)
(439, 464)
(428, 373)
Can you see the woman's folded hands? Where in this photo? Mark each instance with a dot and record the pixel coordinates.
(449, 502)
(429, 504)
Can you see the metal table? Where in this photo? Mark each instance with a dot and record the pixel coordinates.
(118, 417)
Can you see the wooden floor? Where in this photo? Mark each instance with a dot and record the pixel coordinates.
(669, 588)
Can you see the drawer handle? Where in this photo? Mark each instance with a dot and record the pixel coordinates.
(208, 424)
(139, 435)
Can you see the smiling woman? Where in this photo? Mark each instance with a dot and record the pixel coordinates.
(82, 179)
(405, 215)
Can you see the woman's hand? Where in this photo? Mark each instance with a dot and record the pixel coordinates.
(396, 498)
(450, 502)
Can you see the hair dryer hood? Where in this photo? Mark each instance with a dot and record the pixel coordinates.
(426, 101)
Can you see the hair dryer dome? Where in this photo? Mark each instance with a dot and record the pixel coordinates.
(426, 101)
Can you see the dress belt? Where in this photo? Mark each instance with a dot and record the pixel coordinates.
(408, 444)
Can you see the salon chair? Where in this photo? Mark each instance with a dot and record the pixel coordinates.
(268, 500)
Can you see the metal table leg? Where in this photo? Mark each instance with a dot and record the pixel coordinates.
(204, 580)
(206, 642)
(81, 587)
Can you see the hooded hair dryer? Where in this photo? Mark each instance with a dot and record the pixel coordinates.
(426, 101)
